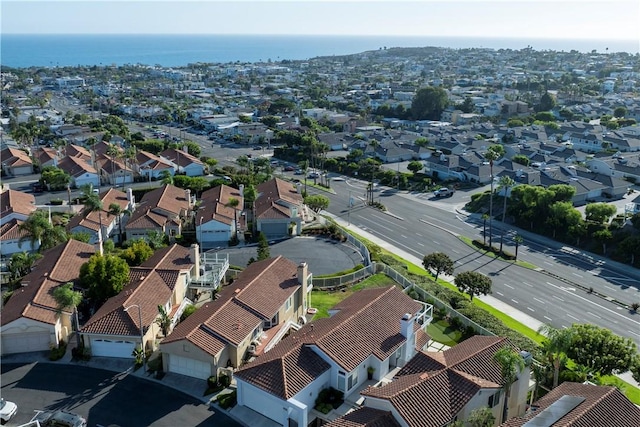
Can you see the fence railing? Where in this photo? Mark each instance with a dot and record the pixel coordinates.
(361, 247)
(330, 283)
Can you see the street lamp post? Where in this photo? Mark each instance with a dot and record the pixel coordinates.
(144, 356)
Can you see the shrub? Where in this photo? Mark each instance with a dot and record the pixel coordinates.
(228, 400)
(57, 353)
(56, 202)
(188, 311)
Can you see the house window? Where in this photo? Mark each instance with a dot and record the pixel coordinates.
(287, 304)
(346, 383)
(494, 399)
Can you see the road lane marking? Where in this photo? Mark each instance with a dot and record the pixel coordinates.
(500, 293)
(594, 315)
(573, 317)
(576, 274)
(530, 309)
(514, 300)
(558, 298)
(635, 333)
(454, 251)
(418, 234)
(403, 236)
(437, 243)
(509, 286)
(548, 318)
(539, 300)
(420, 244)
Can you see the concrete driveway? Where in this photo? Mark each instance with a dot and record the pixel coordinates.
(324, 256)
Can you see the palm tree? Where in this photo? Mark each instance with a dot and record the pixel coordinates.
(93, 203)
(167, 178)
(506, 182)
(117, 211)
(163, 320)
(128, 154)
(66, 298)
(518, 239)
(491, 155)
(485, 217)
(20, 264)
(511, 363)
(39, 229)
(555, 346)
(113, 152)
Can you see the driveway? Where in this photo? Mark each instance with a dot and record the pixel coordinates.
(323, 256)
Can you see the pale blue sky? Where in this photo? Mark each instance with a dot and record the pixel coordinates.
(581, 19)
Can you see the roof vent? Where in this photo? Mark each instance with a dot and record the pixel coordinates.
(406, 316)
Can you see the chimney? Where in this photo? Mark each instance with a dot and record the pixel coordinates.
(130, 197)
(187, 195)
(194, 257)
(406, 329)
(303, 279)
(241, 190)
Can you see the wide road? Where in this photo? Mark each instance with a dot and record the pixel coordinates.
(420, 225)
(102, 397)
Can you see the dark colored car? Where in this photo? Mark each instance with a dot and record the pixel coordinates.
(59, 418)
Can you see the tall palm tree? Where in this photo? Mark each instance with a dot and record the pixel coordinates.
(491, 155)
(117, 211)
(113, 152)
(21, 262)
(485, 217)
(93, 203)
(66, 298)
(511, 364)
(518, 239)
(128, 156)
(505, 183)
(555, 346)
(39, 229)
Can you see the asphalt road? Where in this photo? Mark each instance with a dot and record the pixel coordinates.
(421, 225)
(102, 397)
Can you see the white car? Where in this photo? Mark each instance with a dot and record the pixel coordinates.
(7, 410)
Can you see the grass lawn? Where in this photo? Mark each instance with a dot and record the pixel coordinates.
(442, 332)
(632, 393)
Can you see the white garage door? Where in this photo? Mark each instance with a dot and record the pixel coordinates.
(189, 367)
(112, 348)
(262, 402)
(23, 343)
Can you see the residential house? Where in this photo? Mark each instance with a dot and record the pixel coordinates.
(46, 156)
(580, 405)
(30, 319)
(267, 300)
(163, 209)
(15, 205)
(622, 167)
(16, 162)
(90, 221)
(115, 329)
(381, 328)
(10, 239)
(437, 388)
(216, 221)
(278, 208)
(151, 166)
(183, 162)
(81, 171)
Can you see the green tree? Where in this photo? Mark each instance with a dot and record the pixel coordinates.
(620, 112)
(104, 276)
(317, 202)
(481, 417)
(517, 239)
(511, 364)
(473, 283)
(138, 252)
(600, 350)
(466, 106)
(415, 166)
(38, 228)
(505, 183)
(233, 203)
(603, 236)
(55, 178)
(166, 178)
(491, 155)
(422, 142)
(547, 102)
(20, 264)
(81, 236)
(485, 217)
(163, 320)
(635, 368)
(429, 103)
(562, 216)
(555, 347)
(263, 247)
(521, 159)
(157, 239)
(117, 211)
(629, 249)
(599, 212)
(438, 262)
(68, 299)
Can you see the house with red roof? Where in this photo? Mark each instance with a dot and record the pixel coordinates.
(30, 320)
(90, 221)
(278, 209)
(265, 302)
(183, 162)
(15, 208)
(16, 162)
(114, 329)
(216, 221)
(151, 166)
(378, 328)
(580, 405)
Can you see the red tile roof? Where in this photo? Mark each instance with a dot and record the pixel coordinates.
(11, 230)
(180, 157)
(365, 417)
(159, 206)
(15, 157)
(58, 265)
(76, 166)
(447, 381)
(12, 201)
(603, 406)
(214, 203)
(91, 219)
(366, 323)
(272, 192)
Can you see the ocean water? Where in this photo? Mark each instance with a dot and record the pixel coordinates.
(21, 51)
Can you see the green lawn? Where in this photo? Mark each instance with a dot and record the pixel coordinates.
(442, 332)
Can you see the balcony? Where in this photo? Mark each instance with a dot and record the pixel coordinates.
(213, 267)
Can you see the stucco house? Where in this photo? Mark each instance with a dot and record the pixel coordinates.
(216, 221)
(183, 162)
(15, 205)
(81, 170)
(151, 166)
(278, 206)
(267, 300)
(30, 321)
(114, 330)
(162, 209)
(90, 221)
(381, 328)
(16, 162)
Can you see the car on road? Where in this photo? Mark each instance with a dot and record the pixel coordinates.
(298, 172)
(7, 410)
(257, 148)
(314, 175)
(444, 192)
(289, 168)
(59, 418)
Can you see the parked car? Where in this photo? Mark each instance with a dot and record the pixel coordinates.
(257, 148)
(299, 172)
(59, 419)
(314, 175)
(444, 192)
(289, 168)
(7, 410)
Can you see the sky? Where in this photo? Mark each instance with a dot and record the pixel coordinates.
(566, 19)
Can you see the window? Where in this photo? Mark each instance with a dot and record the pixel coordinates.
(346, 383)
(494, 399)
(287, 304)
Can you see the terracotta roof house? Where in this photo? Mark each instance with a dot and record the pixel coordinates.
(114, 329)
(77, 151)
(580, 405)
(151, 166)
(16, 162)
(81, 171)
(89, 222)
(278, 205)
(381, 328)
(437, 388)
(183, 162)
(46, 156)
(162, 209)
(10, 235)
(216, 221)
(114, 171)
(267, 300)
(365, 417)
(30, 321)
(15, 205)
